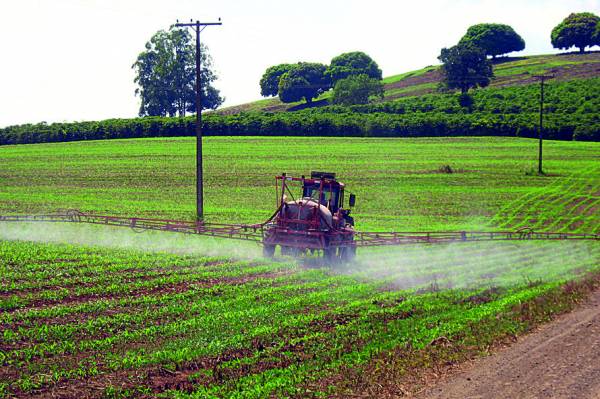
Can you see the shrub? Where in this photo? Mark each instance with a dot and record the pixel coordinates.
(357, 89)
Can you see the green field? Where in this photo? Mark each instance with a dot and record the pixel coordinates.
(398, 182)
(123, 323)
(100, 312)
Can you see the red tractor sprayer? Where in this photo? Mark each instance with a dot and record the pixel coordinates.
(312, 221)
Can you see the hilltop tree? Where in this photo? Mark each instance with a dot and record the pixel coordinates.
(306, 80)
(165, 74)
(357, 89)
(465, 66)
(353, 63)
(578, 29)
(494, 39)
(269, 83)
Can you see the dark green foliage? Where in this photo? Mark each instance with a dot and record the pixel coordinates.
(306, 80)
(465, 66)
(269, 83)
(465, 100)
(579, 30)
(357, 89)
(571, 113)
(353, 63)
(165, 73)
(494, 39)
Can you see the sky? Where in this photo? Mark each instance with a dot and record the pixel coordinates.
(70, 60)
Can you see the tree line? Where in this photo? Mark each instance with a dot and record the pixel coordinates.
(317, 124)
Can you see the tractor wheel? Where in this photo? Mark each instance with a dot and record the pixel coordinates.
(268, 250)
(347, 254)
(330, 255)
(296, 252)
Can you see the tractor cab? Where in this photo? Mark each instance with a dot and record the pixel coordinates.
(324, 189)
(312, 220)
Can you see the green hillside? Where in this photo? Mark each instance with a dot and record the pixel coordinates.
(509, 71)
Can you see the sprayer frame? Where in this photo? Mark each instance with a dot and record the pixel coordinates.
(334, 241)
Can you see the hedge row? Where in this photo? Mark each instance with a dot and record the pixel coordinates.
(559, 127)
(573, 113)
(580, 96)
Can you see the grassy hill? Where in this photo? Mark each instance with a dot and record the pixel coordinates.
(509, 71)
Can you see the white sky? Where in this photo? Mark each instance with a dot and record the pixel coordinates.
(70, 60)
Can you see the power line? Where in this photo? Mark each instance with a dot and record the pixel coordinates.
(198, 27)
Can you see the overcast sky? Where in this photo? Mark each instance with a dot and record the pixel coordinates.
(70, 60)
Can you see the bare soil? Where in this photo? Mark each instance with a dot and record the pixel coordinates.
(432, 76)
(560, 360)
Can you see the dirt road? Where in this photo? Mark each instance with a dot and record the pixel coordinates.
(560, 360)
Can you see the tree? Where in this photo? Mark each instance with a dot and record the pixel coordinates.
(578, 29)
(465, 66)
(354, 63)
(165, 74)
(306, 80)
(494, 39)
(357, 89)
(269, 83)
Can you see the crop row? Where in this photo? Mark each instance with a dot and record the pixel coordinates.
(569, 204)
(134, 316)
(568, 97)
(265, 334)
(355, 343)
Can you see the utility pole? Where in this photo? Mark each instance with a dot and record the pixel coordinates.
(542, 79)
(198, 27)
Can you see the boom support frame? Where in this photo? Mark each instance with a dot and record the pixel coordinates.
(255, 232)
